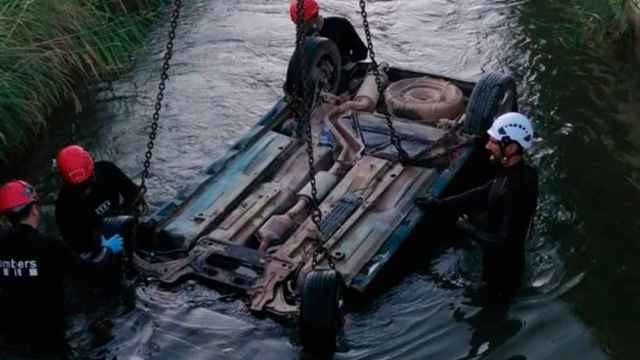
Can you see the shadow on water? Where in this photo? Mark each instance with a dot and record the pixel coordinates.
(426, 304)
(580, 297)
(586, 96)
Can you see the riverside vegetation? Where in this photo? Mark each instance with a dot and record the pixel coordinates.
(49, 51)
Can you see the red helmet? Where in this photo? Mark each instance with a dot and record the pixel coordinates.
(75, 164)
(15, 195)
(311, 10)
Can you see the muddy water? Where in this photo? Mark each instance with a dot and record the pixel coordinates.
(582, 290)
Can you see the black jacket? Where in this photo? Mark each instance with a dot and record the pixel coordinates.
(32, 270)
(79, 211)
(341, 32)
(510, 200)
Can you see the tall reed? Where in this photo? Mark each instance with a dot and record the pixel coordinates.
(49, 48)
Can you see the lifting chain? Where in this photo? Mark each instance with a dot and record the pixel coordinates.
(395, 139)
(302, 108)
(156, 114)
(316, 215)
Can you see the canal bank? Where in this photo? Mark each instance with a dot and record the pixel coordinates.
(54, 52)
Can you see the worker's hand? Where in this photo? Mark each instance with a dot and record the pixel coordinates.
(113, 243)
(464, 224)
(427, 203)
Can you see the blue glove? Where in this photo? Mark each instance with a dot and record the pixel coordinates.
(113, 243)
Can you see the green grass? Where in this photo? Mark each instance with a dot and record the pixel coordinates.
(48, 48)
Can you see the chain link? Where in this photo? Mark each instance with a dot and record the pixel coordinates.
(302, 102)
(300, 35)
(318, 253)
(302, 108)
(316, 215)
(395, 139)
(161, 87)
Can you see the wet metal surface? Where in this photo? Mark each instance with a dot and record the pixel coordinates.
(582, 283)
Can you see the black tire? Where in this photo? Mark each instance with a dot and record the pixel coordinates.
(320, 311)
(321, 64)
(493, 95)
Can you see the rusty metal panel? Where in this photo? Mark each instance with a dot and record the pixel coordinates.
(362, 239)
(363, 177)
(216, 196)
(252, 213)
(251, 209)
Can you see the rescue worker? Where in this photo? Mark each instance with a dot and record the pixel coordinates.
(509, 199)
(337, 29)
(91, 193)
(95, 202)
(343, 34)
(32, 268)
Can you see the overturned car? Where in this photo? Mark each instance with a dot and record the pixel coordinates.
(292, 240)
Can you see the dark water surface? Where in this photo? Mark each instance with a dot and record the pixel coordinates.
(583, 293)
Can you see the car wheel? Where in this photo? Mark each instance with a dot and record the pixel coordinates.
(493, 95)
(320, 317)
(320, 66)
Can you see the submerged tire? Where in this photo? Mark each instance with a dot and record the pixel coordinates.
(493, 95)
(320, 311)
(424, 99)
(321, 64)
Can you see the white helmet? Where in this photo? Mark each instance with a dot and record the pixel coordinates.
(512, 126)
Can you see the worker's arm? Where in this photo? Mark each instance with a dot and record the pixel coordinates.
(127, 188)
(75, 223)
(87, 263)
(476, 199)
(504, 230)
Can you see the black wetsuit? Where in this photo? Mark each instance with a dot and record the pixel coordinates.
(32, 269)
(79, 215)
(341, 32)
(510, 200)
